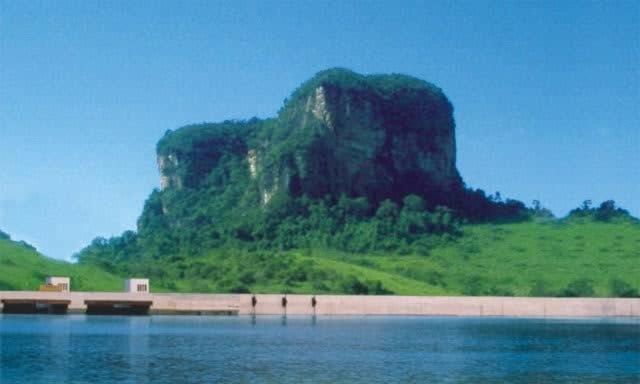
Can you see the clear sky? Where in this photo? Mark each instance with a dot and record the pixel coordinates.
(546, 94)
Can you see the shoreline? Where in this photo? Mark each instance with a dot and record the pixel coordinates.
(325, 305)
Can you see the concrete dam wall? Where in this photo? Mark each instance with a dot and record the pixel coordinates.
(272, 304)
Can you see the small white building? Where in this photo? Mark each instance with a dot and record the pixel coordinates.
(136, 285)
(63, 282)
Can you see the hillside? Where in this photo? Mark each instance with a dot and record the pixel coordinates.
(537, 258)
(23, 268)
(580, 257)
(542, 257)
(353, 187)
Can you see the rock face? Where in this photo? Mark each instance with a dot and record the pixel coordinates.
(382, 136)
(167, 166)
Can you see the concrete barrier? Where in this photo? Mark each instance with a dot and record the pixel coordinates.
(443, 306)
(271, 304)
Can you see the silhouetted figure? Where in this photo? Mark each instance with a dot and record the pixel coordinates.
(314, 302)
(284, 309)
(254, 302)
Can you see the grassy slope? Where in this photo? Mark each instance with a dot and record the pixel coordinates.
(488, 259)
(24, 269)
(510, 258)
(504, 259)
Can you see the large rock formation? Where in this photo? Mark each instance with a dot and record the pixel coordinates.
(382, 136)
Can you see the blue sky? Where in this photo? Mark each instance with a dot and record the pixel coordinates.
(546, 94)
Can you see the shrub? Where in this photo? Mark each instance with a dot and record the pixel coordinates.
(376, 288)
(354, 286)
(540, 289)
(247, 278)
(473, 286)
(170, 285)
(201, 287)
(239, 289)
(500, 291)
(620, 288)
(435, 278)
(579, 288)
(319, 286)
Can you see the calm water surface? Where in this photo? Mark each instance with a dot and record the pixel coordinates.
(166, 349)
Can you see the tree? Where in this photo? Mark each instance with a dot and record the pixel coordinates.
(608, 210)
(579, 288)
(539, 210)
(413, 203)
(387, 211)
(352, 208)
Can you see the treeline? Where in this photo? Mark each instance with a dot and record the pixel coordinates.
(248, 242)
(252, 250)
(189, 222)
(22, 243)
(349, 224)
(584, 288)
(605, 212)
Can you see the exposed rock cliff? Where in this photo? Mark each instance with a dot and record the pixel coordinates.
(381, 136)
(167, 166)
(377, 136)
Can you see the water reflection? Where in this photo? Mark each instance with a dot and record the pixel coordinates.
(138, 336)
(59, 344)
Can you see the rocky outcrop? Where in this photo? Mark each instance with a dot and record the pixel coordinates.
(168, 166)
(382, 136)
(363, 138)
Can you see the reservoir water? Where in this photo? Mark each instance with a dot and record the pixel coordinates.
(185, 349)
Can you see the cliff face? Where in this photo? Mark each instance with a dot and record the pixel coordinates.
(366, 140)
(382, 136)
(167, 166)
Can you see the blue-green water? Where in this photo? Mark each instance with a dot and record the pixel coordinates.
(166, 349)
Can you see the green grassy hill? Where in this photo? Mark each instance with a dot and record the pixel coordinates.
(23, 268)
(577, 257)
(580, 257)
